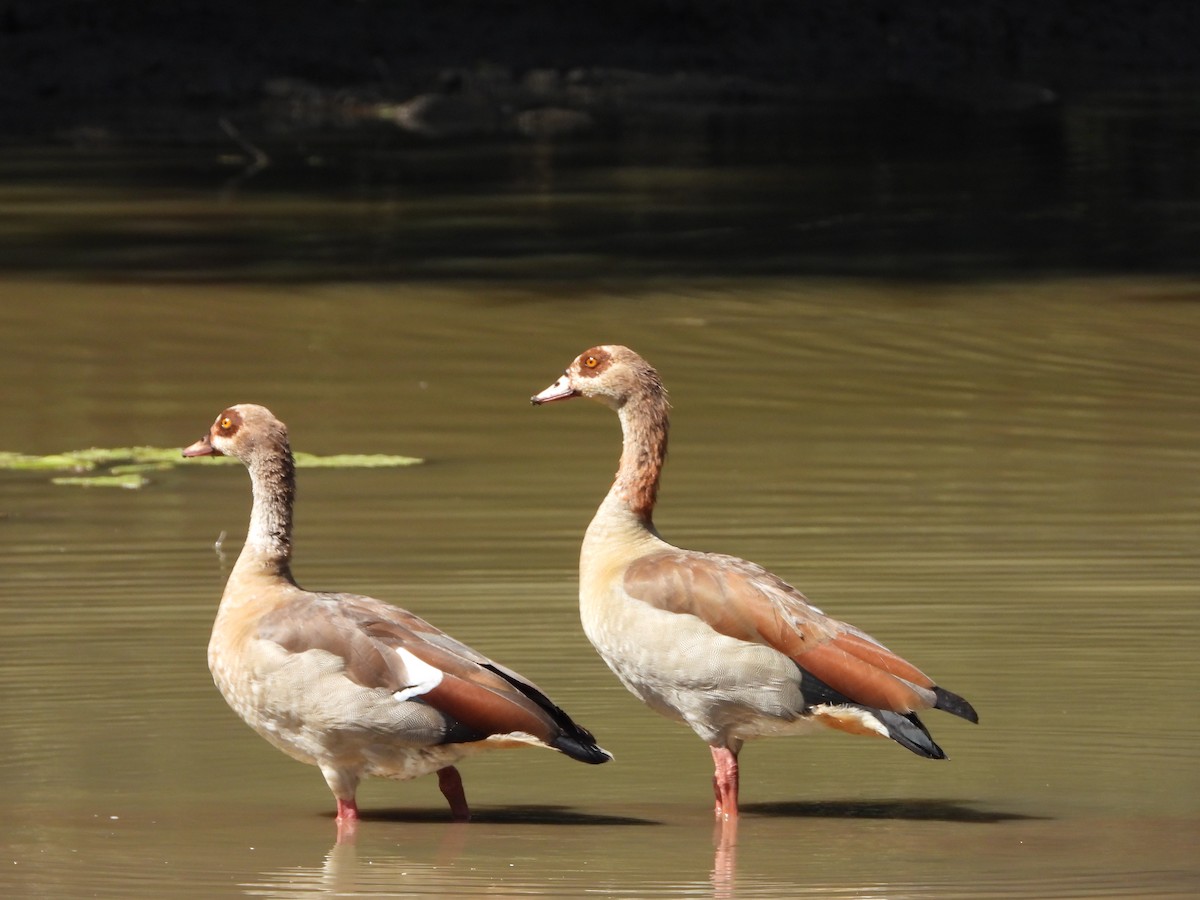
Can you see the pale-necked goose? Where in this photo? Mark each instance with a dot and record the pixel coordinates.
(714, 641)
(350, 684)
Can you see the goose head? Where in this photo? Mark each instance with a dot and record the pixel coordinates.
(609, 373)
(241, 431)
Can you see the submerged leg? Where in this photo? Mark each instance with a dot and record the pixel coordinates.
(451, 785)
(725, 782)
(347, 820)
(344, 785)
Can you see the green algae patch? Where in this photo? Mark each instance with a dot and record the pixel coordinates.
(55, 462)
(127, 467)
(354, 461)
(130, 481)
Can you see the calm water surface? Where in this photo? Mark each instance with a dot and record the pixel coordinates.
(1000, 479)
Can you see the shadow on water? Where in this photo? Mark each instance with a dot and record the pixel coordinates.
(533, 814)
(915, 810)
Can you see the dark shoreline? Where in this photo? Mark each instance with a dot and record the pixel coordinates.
(130, 70)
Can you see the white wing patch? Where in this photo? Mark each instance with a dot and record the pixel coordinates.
(422, 677)
(853, 717)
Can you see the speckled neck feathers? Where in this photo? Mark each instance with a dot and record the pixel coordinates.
(645, 423)
(273, 477)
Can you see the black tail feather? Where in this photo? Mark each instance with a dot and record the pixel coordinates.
(909, 732)
(955, 705)
(575, 740)
(587, 751)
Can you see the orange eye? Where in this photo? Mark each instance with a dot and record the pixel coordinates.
(226, 423)
(591, 362)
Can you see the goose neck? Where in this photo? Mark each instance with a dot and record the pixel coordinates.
(644, 427)
(269, 539)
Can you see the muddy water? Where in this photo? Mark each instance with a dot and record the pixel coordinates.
(996, 472)
(999, 480)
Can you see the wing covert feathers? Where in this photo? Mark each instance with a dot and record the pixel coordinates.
(482, 697)
(744, 601)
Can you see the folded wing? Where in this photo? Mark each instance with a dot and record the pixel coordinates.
(387, 648)
(744, 601)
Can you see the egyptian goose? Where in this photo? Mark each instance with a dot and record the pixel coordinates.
(350, 684)
(716, 642)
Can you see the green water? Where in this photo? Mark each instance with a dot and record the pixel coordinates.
(996, 476)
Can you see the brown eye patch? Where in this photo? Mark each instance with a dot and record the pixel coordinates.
(229, 422)
(593, 362)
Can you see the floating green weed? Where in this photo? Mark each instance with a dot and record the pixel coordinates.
(129, 481)
(353, 461)
(126, 467)
(57, 461)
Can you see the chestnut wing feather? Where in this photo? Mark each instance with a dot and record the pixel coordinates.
(742, 600)
(367, 634)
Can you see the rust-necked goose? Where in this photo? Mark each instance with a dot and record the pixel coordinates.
(716, 642)
(347, 683)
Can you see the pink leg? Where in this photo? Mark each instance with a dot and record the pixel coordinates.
(347, 810)
(347, 820)
(452, 789)
(725, 782)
